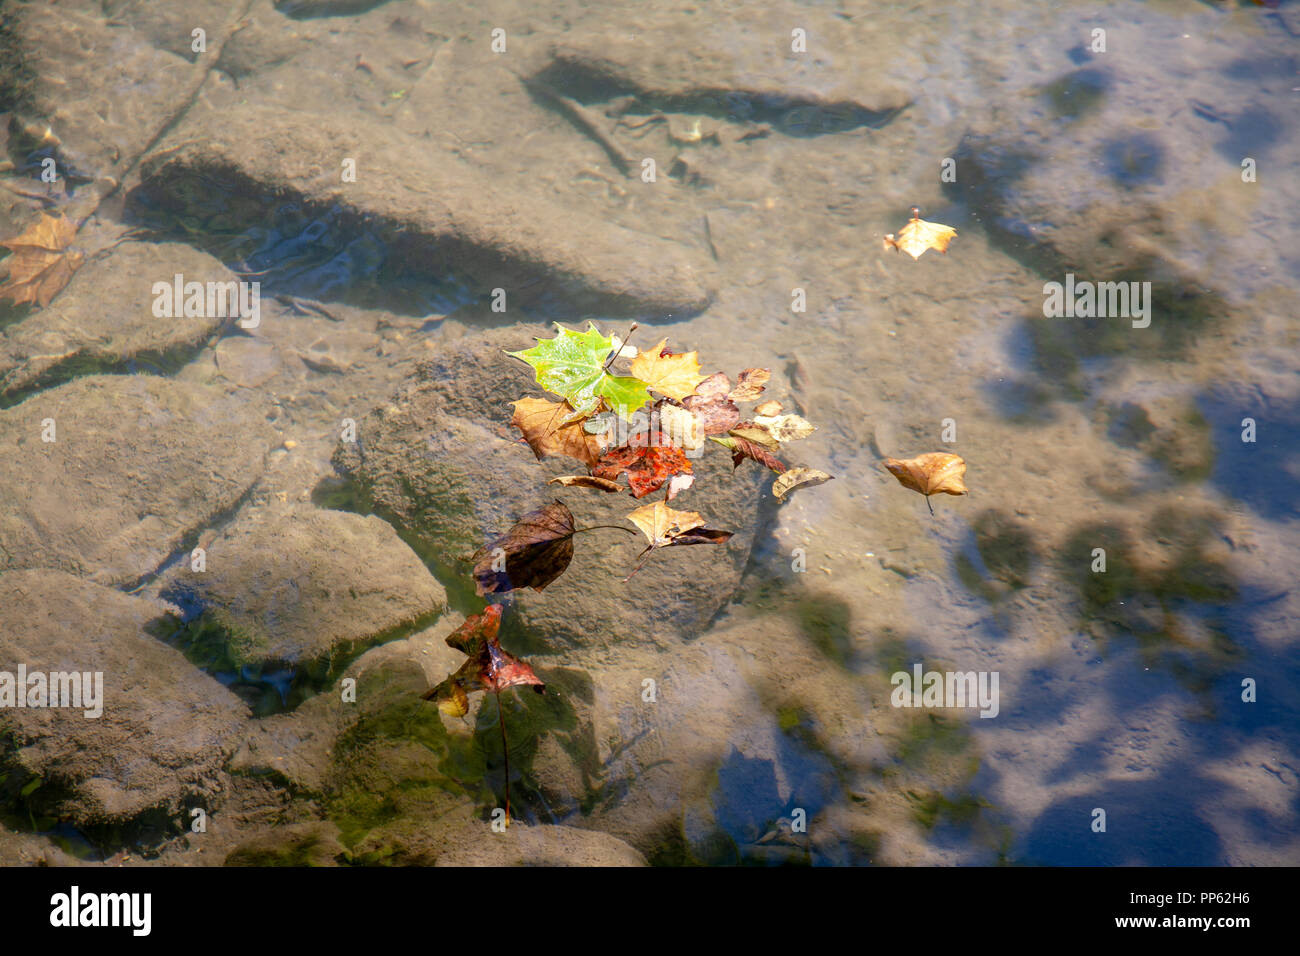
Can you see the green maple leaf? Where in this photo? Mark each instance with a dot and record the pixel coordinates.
(573, 365)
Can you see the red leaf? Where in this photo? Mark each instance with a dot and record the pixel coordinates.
(649, 461)
(744, 448)
(488, 667)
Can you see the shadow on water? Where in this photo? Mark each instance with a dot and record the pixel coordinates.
(1263, 473)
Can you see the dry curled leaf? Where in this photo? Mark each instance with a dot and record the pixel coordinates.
(665, 527)
(544, 427)
(798, 478)
(41, 264)
(488, 667)
(586, 481)
(532, 554)
(919, 235)
(673, 375)
(742, 448)
(930, 474)
(785, 428)
(750, 385)
(716, 412)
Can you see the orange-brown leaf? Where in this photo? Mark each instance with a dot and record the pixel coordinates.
(488, 667)
(40, 264)
(649, 461)
(930, 474)
(542, 425)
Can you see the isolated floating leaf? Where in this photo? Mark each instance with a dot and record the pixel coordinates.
(532, 554)
(648, 459)
(41, 264)
(750, 385)
(673, 375)
(930, 474)
(573, 365)
(488, 667)
(767, 409)
(716, 412)
(798, 478)
(544, 427)
(586, 481)
(919, 235)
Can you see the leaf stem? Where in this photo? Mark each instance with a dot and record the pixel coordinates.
(505, 750)
(597, 527)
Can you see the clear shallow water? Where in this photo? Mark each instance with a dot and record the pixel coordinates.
(1119, 690)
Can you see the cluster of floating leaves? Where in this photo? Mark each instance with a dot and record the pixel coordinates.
(687, 408)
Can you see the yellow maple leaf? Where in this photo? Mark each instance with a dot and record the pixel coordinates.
(675, 376)
(41, 264)
(919, 235)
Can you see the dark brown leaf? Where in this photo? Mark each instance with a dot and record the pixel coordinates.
(532, 554)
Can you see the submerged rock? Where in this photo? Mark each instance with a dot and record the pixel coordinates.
(307, 588)
(522, 845)
(297, 844)
(368, 749)
(99, 116)
(136, 463)
(104, 319)
(411, 213)
(441, 462)
(164, 729)
(707, 72)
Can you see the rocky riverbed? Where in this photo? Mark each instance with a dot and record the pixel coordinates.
(253, 526)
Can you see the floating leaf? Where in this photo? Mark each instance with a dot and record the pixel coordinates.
(712, 406)
(755, 433)
(488, 667)
(573, 365)
(798, 478)
(767, 409)
(665, 527)
(544, 427)
(742, 448)
(919, 235)
(930, 474)
(785, 428)
(649, 461)
(673, 375)
(41, 264)
(532, 554)
(681, 426)
(586, 481)
(751, 384)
